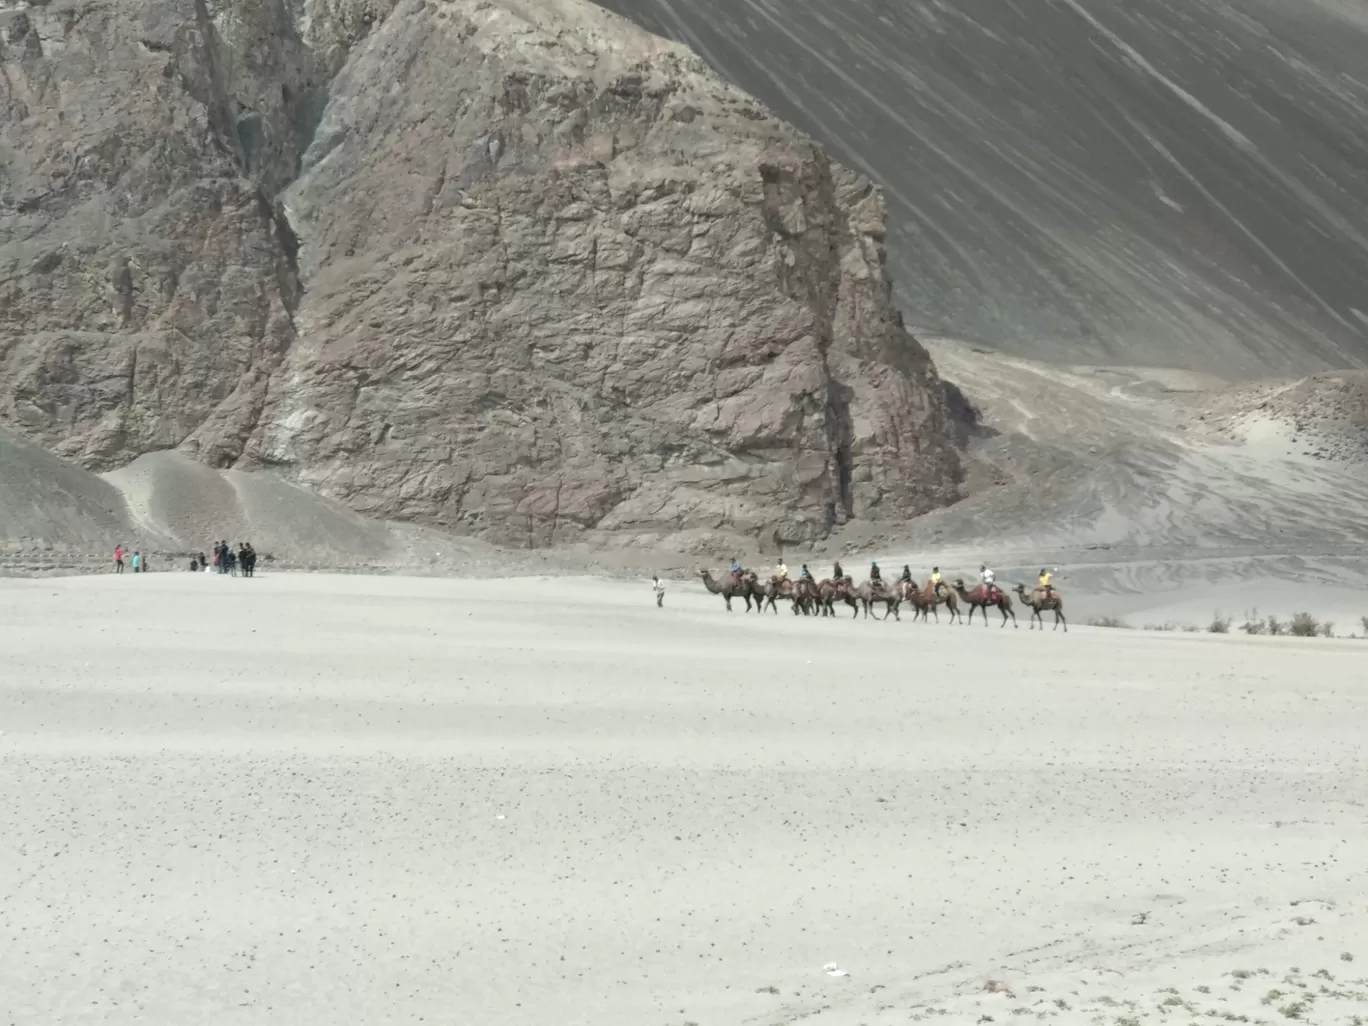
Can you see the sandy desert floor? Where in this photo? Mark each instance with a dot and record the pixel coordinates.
(314, 799)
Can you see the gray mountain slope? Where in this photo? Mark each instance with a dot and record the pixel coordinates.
(1154, 183)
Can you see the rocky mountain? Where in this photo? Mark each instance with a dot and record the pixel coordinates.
(511, 267)
(1152, 183)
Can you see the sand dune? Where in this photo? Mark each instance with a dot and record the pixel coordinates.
(355, 799)
(58, 517)
(55, 515)
(186, 500)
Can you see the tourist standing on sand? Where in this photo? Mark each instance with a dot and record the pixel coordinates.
(137, 562)
(659, 587)
(118, 558)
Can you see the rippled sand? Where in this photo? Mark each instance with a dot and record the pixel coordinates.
(320, 799)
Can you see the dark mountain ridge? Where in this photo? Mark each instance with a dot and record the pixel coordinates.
(1149, 183)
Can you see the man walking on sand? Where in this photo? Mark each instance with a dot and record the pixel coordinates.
(118, 558)
(137, 562)
(659, 586)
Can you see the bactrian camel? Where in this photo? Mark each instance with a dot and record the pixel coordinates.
(729, 588)
(867, 595)
(979, 599)
(1039, 601)
(926, 601)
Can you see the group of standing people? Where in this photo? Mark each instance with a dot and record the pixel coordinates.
(134, 560)
(226, 560)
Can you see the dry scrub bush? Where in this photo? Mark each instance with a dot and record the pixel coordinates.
(1304, 625)
(1108, 621)
(1219, 624)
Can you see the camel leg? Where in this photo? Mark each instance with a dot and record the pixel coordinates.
(1006, 612)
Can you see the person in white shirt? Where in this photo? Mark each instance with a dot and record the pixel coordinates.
(659, 587)
(988, 582)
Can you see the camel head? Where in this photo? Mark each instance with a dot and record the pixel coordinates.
(959, 583)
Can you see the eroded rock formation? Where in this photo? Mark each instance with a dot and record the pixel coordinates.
(514, 268)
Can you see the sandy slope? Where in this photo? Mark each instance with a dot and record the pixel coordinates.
(1176, 183)
(47, 503)
(1112, 475)
(384, 800)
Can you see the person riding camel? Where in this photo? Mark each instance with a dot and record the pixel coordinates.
(936, 582)
(736, 571)
(804, 573)
(989, 585)
(781, 571)
(875, 578)
(1046, 588)
(906, 574)
(837, 574)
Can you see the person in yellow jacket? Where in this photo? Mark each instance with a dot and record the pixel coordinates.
(936, 580)
(781, 571)
(1045, 578)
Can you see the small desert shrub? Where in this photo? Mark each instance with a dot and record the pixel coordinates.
(1161, 626)
(1109, 621)
(1255, 626)
(1219, 624)
(1191, 628)
(1364, 620)
(1327, 629)
(1276, 626)
(1304, 625)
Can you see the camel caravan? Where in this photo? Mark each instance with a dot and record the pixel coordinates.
(812, 597)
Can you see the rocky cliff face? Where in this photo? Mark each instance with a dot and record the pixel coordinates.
(515, 268)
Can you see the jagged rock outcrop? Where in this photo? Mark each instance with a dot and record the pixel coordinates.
(515, 268)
